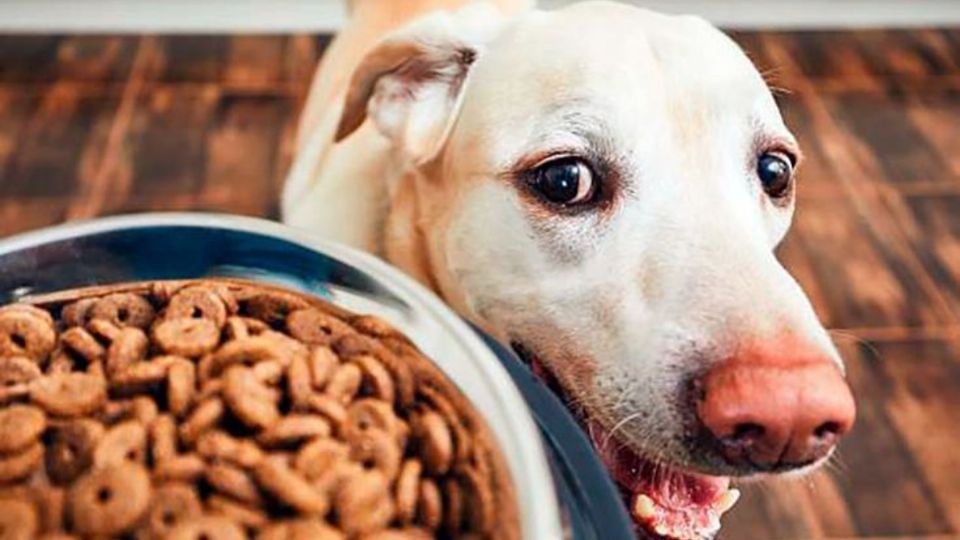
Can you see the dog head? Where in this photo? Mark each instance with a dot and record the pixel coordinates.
(603, 187)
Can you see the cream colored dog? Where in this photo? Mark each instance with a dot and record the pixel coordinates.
(601, 187)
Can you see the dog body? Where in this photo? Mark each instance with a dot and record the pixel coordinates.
(584, 184)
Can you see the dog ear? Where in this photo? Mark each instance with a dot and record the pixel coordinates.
(411, 84)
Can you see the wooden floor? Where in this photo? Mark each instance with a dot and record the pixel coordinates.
(92, 126)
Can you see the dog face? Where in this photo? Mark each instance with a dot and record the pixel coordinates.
(603, 187)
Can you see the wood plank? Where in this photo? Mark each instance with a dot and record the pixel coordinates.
(935, 117)
(46, 156)
(243, 153)
(22, 215)
(44, 59)
(931, 223)
(886, 132)
(863, 279)
(167, 139)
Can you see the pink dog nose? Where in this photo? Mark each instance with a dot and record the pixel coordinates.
(774, 411)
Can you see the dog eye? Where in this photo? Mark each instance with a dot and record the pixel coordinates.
(775, 171)
(566, 181)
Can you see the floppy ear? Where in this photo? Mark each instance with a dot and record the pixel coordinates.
(412, 83)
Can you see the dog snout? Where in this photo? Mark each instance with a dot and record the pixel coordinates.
(771, 412)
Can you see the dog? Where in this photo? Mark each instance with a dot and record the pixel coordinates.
(602, 188)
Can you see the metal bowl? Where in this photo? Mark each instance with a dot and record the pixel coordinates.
(561, 487)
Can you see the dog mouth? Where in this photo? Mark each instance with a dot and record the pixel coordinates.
(666, 502)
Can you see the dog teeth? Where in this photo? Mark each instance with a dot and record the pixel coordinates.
(662, 530)
(726, 501)
(644, 507)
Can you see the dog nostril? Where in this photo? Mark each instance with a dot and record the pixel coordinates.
(747, 432)
(827, 430)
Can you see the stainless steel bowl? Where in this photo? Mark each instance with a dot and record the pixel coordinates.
(561, 488)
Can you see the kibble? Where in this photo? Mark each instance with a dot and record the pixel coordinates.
(222, 409)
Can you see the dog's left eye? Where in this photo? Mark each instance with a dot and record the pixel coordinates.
(776, 173)
(566, 181)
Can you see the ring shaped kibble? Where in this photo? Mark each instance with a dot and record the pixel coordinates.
(225, 409)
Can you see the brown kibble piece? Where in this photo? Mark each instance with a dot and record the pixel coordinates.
(429, 505)
(22, 464)
(478, 501)
(172, 504)
(434, 442)
(109, 500)
(181, 386)
(70, 449)
(16, 370)
(234, 482)
(330, 408)
(364, 504)
(276, 477)
(126, 441)
(20, 426)
(376, 378)
(18, 520)
(27, 309)
(207, 528)
(128, 347)
(123, 309)
(197, 302)
(299, 387)
(374, 326)
(24, 334)
(293, 429)
(217, 445)
(52, 503)
(204, 417)
(82, 343)
(320, 458)
(243, 327)
(136, 376)
(315, 327)
(344, 383)
(163, 438)
(249, 350)
(143, 410)
(187, 337)
(300, 529)
(273, 307)
(410, 533)
(248, 399)
(77, 313)
(353, 345)
(370, 414)
(182, 468)
(452, 505)
(69, 394)
(407, 490)
(459, 435)
(240, 513)
(376, 449)
(322, 361)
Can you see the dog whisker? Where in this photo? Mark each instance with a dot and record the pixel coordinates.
(617, 426)
(867, 344)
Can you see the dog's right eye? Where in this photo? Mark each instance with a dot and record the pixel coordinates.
(565, 181)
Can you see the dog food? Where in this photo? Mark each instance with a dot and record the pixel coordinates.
(222, 409)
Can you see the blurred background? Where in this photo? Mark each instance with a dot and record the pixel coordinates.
(110, 106)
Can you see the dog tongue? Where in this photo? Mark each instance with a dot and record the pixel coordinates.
(667, 503)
